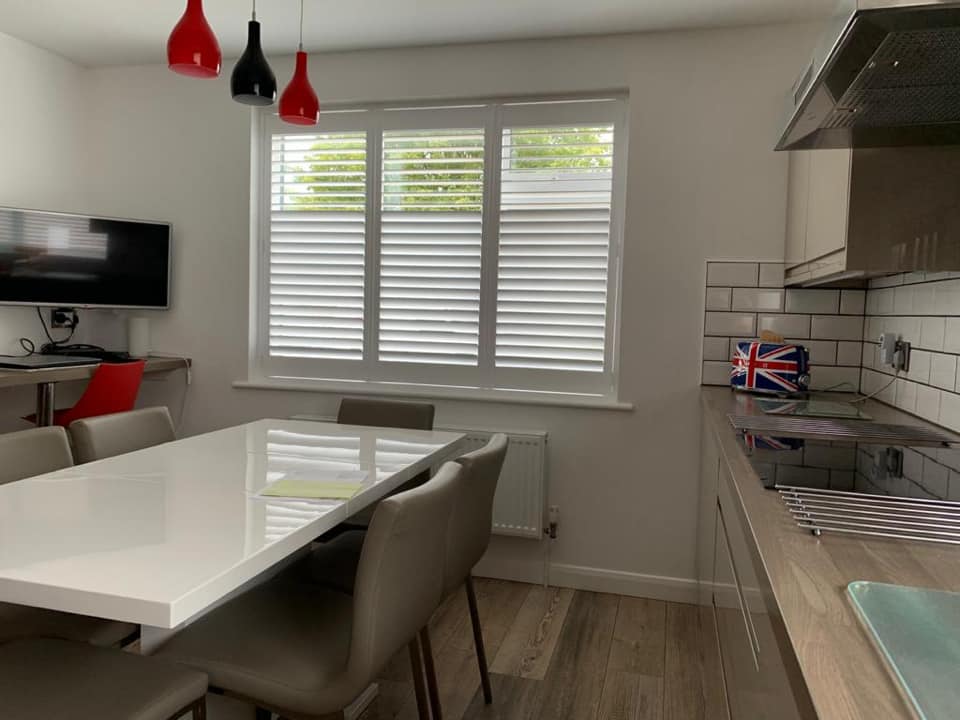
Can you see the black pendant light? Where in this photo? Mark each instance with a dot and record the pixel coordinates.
(252, 81)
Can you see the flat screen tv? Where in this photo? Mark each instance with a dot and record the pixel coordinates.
(49, 258)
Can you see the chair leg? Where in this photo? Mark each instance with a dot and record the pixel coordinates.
(263, 714)
(478, 641)
(416, 667)
(431, 671)
(200, 709)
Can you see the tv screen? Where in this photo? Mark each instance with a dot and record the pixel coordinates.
(78, 261)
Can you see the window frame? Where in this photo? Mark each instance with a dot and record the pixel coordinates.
(485, 379)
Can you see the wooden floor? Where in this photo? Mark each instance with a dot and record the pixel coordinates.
(559, 654)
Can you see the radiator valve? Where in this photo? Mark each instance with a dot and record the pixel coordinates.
(553, 515)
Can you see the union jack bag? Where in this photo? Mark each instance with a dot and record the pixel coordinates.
(770, 368)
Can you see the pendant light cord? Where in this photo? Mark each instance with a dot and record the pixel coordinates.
(301, 26)
(254, 9)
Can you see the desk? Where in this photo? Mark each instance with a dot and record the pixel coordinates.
(159, 536)
(46, 380)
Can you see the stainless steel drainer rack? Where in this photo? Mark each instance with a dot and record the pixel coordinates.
(842, 429)
(835, 511)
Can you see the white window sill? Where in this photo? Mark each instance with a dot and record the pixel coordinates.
(522, 397)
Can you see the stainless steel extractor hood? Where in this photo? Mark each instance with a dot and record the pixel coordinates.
(886, 74)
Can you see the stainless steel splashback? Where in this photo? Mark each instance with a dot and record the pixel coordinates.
(887, 73)
(904, 210)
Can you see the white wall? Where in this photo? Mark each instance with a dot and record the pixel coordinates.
(704, 111)
(42, 162)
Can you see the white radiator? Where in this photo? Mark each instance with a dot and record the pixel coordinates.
(521, 493)
(518, 508)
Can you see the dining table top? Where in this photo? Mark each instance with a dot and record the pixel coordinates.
(160, 535)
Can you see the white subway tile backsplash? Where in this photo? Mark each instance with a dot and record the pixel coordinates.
(883, 302)
(841, 329)
(950, 410)
(850, 353)
(951, 337)
(718, 299)
(724, 323)
(932, 331)
(903, 300)
(822, 352)
(946, 297)
(730, 274)
(853, 302)
(716, 373)
(842, 379)
(943, 371)
(906, 395)
(771, 275)
(879, 385)
(716, 348)
(928, 402)
(908, 328)
(796, 326)
(834, 327)
(813, 301)
(923, 299)
(757, 299)
(920, 361)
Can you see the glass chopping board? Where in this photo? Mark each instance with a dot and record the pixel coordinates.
(813, 408)
(918, 633)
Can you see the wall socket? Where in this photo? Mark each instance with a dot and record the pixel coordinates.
(64, 318)
(894, 352)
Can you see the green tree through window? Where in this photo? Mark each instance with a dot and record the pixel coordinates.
(433, 173)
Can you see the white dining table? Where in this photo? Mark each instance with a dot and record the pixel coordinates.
(160, 536)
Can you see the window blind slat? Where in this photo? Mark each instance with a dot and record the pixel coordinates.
(432, 196)
(555, 200)
(317, 245)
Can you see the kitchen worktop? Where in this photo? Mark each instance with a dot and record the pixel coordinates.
(845, 675)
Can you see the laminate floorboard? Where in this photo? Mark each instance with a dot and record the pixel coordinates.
(560, 654)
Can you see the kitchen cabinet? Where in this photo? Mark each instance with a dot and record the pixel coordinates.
(714, 690)
(735, 598)
(757, 684)
(817, 211)
(855, 214)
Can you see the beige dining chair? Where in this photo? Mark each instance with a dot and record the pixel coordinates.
(106, 436)
(334, 564)
(34, 452)
(306, 652)
(48, 679)
(371, 412)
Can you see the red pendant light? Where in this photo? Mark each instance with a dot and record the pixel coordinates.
(193, 48)
(299, 104)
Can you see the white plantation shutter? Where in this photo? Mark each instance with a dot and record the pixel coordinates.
(556, 195)
(317, 235)
(474, 246)
(430, 243)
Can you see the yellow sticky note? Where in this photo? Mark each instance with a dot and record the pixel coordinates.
(312, 489)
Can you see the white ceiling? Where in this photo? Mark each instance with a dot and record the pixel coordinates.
(112, 32)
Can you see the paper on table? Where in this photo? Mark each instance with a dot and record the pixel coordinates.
(336, 486)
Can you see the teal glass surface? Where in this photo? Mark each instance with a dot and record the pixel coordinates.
(918, 632)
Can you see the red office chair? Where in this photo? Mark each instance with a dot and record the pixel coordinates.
(112, 389)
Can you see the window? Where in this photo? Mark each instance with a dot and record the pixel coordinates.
(470, 247)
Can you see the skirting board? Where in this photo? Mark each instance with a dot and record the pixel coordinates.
(577, 577)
